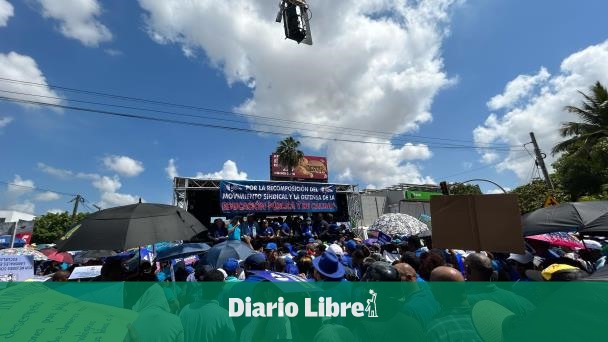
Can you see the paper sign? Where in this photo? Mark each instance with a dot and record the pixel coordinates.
(477, 222)
(41, 314)
(84, 272)
(16, 267)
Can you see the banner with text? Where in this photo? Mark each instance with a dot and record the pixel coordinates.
(276, 197)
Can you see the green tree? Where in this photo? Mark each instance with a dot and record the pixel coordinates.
(464, 189)
(50, 227)
(532, 196)
(289, 154)
(583, 175)
(583, 136)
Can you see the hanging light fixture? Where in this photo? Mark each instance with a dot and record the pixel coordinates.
(296, 20)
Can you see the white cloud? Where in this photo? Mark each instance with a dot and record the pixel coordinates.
(56, 211)
(375, 65)
(47, 196)
(517, 90)
(543, 110)
(6, 11)
(467, 165)
(113, 52)
(18, 67)
(229, 171)
(78, 19)
(171, 169)
(124, 165)
(114, 199)
(107, 184)
(60, 173)
(26, 207)
(20, 186)
(5, 121)
(378, 166)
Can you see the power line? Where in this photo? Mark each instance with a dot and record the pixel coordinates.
(163, 103)
(220, 119)
(37, 188)
(229, 128)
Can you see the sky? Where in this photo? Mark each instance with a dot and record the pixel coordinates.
(391, 91)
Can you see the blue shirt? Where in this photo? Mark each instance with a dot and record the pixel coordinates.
(236, 233)
(268, 231)
(307, 230)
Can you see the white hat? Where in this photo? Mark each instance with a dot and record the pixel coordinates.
(336, 249)
(223, 272)
(592, 244)
(521, 258)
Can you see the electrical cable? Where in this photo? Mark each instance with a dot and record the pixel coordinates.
(38, 189)
(163, 103)
(229, 128)
(225, 119)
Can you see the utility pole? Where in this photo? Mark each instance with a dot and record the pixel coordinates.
(540, 161)
(76, 201)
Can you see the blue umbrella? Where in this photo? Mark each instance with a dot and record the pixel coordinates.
(228, 249)
(182, 251)
(5, 241)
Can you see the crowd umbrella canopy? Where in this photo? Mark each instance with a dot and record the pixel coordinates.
(130, 226)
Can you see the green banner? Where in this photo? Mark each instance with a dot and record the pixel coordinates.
(268, 311)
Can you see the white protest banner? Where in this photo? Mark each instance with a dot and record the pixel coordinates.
(16, 267)
(84, 272)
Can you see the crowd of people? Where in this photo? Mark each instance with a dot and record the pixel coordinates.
(318, 250)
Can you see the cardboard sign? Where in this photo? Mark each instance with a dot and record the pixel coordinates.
(477, 222)
(16, 267)
(85, 272)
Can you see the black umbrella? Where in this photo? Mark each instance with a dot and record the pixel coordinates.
(84, 256)
(182, 251)
(584, 217)
(131, 226)
(219, 253)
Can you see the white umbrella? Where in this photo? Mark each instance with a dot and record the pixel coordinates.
(400, 224)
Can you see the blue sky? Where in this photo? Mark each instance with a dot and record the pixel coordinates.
(436, 69)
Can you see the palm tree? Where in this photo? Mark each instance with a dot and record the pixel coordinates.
(594, 126)
(289, 155)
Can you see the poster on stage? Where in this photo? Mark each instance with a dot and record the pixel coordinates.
(276, 197)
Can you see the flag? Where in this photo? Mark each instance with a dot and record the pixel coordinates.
(384, 238)
(6, 228)
(25, 230)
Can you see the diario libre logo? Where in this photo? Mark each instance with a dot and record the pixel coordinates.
(323, 307)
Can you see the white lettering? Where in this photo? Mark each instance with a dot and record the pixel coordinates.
(236, 307)
(291, 309)
(308, 309)
(258, 310)
(357, 309)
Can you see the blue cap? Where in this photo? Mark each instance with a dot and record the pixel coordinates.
(271, 246)
(230, 265)
(189, 269)
(256, 261)
(351, 244)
